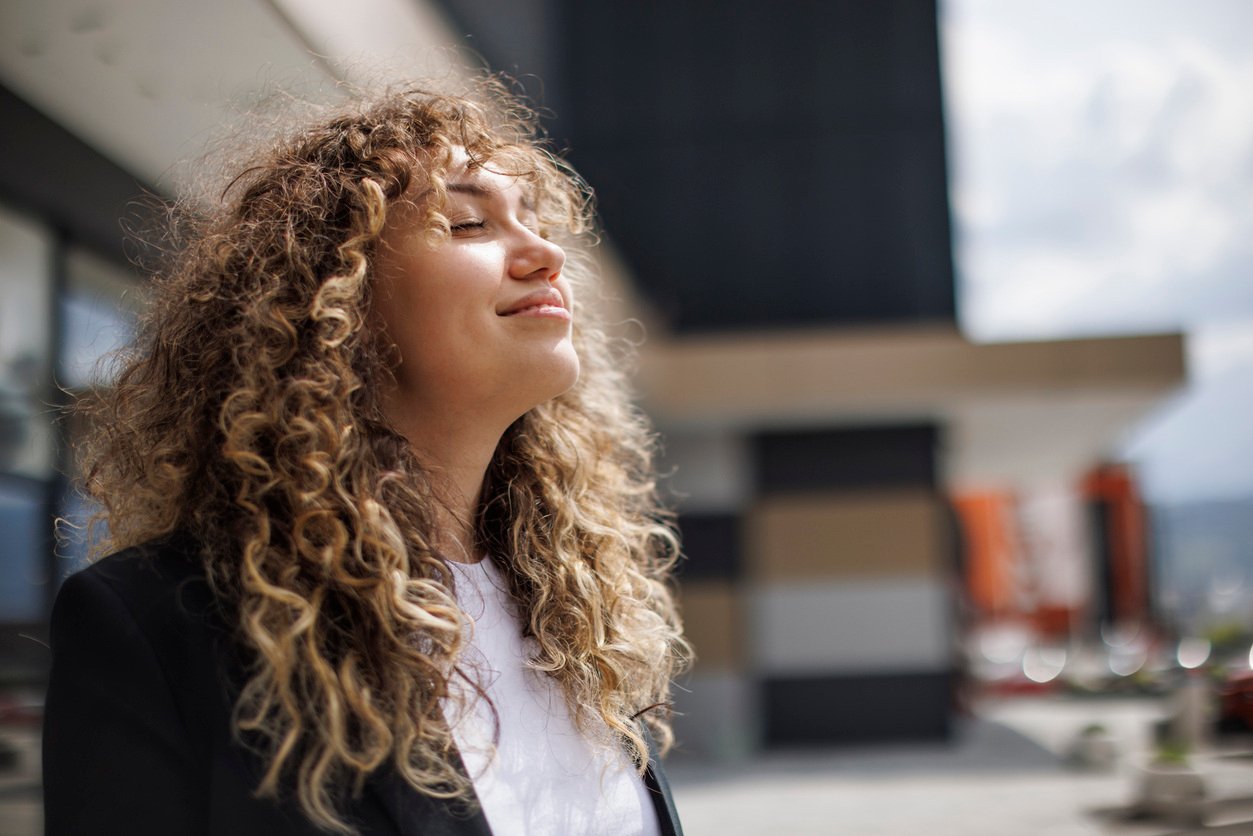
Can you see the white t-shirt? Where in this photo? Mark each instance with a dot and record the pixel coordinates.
(543, 776)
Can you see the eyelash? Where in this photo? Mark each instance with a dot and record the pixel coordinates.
(469, 226)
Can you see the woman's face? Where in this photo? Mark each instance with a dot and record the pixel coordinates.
(481, 319)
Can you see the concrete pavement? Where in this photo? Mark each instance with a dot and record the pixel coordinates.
(1005, 773)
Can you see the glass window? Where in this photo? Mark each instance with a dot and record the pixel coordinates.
(23, 569)
(99, 309)
(26, 441)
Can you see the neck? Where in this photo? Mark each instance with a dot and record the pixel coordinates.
(456, 454)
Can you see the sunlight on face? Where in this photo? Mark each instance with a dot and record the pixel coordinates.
(481, 319)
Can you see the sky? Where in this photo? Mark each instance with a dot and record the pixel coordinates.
(1101, 156)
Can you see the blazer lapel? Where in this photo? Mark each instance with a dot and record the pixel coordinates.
(659, 789)
(417, 814)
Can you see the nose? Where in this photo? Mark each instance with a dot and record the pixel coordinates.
(536, 257)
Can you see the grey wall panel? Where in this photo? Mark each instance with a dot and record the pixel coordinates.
(850, 627)
(717, 715)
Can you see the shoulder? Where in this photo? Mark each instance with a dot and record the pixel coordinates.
(155, 594)
(143, 622)
(151, 567)
(136, 704)
(163, 580)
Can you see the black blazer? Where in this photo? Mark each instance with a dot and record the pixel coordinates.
(137, 735)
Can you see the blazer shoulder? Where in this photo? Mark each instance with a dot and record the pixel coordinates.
(162, 561)
(161, 582)
(135, 706)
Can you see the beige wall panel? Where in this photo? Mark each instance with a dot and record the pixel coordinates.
(847, 535)
(713, 619)
(848, 371)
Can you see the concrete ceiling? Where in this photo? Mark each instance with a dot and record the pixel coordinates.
(151, 82)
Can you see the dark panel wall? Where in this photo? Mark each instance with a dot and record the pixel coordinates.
(847, 459)
(766, 164)
(711, 547)
(875, 708)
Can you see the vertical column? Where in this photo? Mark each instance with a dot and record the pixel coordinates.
(716, 715)
(850, 577)
(1122, 552)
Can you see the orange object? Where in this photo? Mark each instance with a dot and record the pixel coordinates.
(1125, 549)
(991, 554)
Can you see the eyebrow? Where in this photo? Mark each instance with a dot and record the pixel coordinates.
(475, 189)
(478, 190)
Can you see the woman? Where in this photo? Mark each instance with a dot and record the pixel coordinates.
(390, 559)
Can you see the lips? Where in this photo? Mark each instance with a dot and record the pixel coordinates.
(541, 300)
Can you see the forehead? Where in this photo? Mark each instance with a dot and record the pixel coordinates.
(486, 181)
(505, 169)
(462, 178)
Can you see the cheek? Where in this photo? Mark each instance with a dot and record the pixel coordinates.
(387, 303)
(406, 291)
(394, 310)
(567, 291)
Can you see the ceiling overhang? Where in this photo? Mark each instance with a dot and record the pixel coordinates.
(1012, 413)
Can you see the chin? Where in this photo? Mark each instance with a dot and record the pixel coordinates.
(561, 373)
(568, 376)
(539, 378)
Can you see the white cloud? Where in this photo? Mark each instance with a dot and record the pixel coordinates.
(1102, 175)
(1221, 350)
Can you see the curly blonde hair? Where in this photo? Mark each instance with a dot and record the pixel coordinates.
(249, 415)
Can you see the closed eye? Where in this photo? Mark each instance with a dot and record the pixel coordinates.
(467, 226)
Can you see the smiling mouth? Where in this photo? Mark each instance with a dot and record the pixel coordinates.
(545, 303)
(541, 310)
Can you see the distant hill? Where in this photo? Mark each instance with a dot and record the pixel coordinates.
(1203, 558)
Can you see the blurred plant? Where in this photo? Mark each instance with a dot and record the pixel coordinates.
(1093, 748)
(1171, 751)
(1229, 636)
